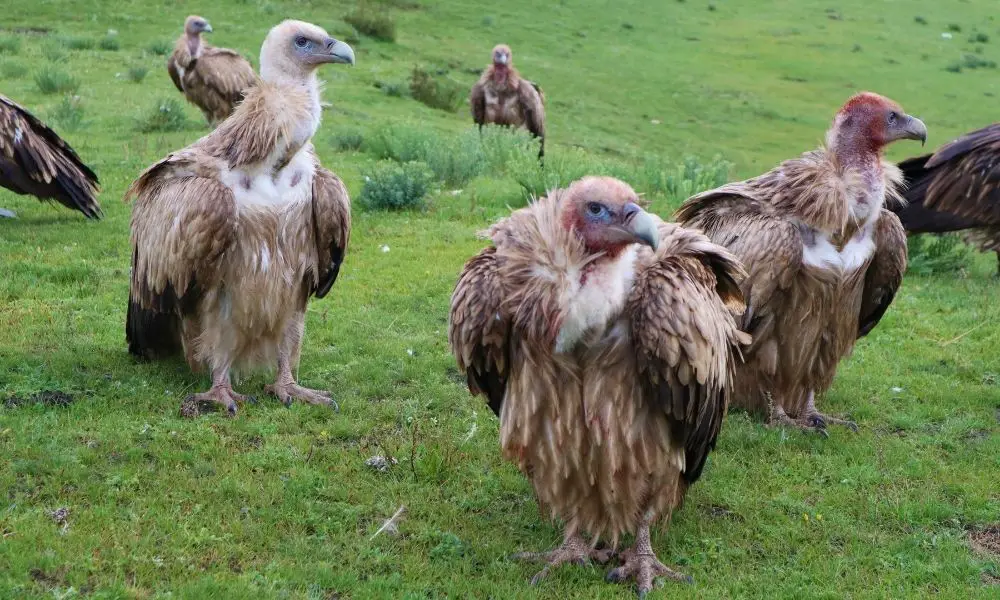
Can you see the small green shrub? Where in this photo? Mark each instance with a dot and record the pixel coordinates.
(348, 140)
(166, 115)
(395, 186)
(54, 54)
(53, 81)
(954, 27)
(12, 70)
(395, 89)
(69, 114)
(979, 38)
(110, 42)
(933, 254)
(678, 182)
(160, 47)
(137, 74)
(10, 44)
(373, 21)
(77, 43)
(438, 92)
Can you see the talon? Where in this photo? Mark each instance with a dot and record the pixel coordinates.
(231, 409)
(614, 576)
(252, 399)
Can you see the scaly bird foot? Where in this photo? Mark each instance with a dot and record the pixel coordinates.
(574, 550)
(287, 392)
(824, 420)
(644, 569)
(223, 396)
(810, 425)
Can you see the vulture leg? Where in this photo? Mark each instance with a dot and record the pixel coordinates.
(820, 420)
(640, 564)
(573, 550)
(284, 387)
(780, 418)
(221, 391)
(9, 214)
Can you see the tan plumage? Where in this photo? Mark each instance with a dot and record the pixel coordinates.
(233, 234)
(608, 363)
(503, 97)
(213, 79)
(957, 189)
(823, 256)
(36, 161)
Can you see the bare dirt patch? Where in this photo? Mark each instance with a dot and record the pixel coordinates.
(46, 398)
(985, 541)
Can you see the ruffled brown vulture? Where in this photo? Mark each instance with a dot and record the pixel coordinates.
(957, 189)
(37, 162)
(233, 234)
(503, 97)
(824, 257)
(213, 79)
(605, 340)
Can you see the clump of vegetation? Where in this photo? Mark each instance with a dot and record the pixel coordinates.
(54, 54)
(971, 62)
(166, 115)
(373, 21)
(441, 92)
(682, 180)
(979, 38)
(137, 74)
(77, 43)
(10, 44)
(395, 89)
(69, 114)
(920, 20)
(395, 186)
(348, 141)
(53, 81)
(160, 47)
(954, 27)
(110, 42)
(12, 70)
(932, 254)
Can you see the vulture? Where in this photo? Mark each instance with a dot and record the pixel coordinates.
(957, 189)
(824, 257)
(213, 79)
(503, 97)
(604, 340)
(36, 161)
(232, 235)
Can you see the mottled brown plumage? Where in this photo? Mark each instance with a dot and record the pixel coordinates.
(503, 97)
(233, 234)
(824, 258)
(604, 339)
(36, 161)
(213, 79)
(957, 189)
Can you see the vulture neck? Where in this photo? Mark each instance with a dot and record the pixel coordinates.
(194, 44)
(504, 74)
(860, 156)
(296, 85)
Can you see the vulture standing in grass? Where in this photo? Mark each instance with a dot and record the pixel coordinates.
(36, 161)
(605, 340)
(213, 79)
(824, 257)
(957, 189)
(503, 97)
(233, 234)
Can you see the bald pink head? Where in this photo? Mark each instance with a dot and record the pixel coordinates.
(606, 215)
(194, 25)
(868, 122)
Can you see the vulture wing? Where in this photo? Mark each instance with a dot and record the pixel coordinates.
(477, 100)
(885, 272)
(226, 73)
(36, 161)
(173, 68)
(182, 225)
(532, 107)
(332, 220)
(681, 310)
(479, 327)
(962, 178)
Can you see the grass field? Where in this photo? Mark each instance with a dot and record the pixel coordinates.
(279, 503)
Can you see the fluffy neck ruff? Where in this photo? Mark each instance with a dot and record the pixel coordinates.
(504, 75)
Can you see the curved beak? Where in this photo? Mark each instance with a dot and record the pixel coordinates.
(338, 52)
(912, 128)
(207, 28)
(641, 226)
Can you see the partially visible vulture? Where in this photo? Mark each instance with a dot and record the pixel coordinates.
(605, 341)
(824, 257)
(957, 189)
(233, 234)
(213, 79)
(36, 161)
(503, 97)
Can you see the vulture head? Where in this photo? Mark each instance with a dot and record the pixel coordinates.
(869, 122)
(605, 213)
(195, 26)
(502, 56)
(294, 49)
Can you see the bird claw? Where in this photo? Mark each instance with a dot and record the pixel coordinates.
(644, 569)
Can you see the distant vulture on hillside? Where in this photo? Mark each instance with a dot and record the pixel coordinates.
(232, 235)
(605, 340)
(36, 161)
(825, 259)
(213, 79)
(957, 189)
(503, 97)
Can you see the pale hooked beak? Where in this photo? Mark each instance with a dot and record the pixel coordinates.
(912, 129)
(207, 28)
(641, 225)
(501, 59)
(338, 52)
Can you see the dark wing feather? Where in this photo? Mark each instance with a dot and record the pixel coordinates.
(533, 108)
(332, 222)
(479, 328)
(885, 273)
(477, 101)
(36, 161)
(175, 75)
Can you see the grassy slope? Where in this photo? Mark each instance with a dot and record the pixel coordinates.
(278, 503)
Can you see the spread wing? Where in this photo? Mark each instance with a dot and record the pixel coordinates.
(226, 73)
(332, 221)
(681, 309)
(36, 161)
(885, 272)
(182, 225)
(477, 100)
(479, 328)
(532, 107)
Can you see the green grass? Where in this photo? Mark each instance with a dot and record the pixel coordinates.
(278, 503)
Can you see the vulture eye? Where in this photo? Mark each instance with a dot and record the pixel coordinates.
(595, 209)
(301, 41)
(893, 117)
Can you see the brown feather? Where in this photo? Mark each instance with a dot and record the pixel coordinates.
(215, 79)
